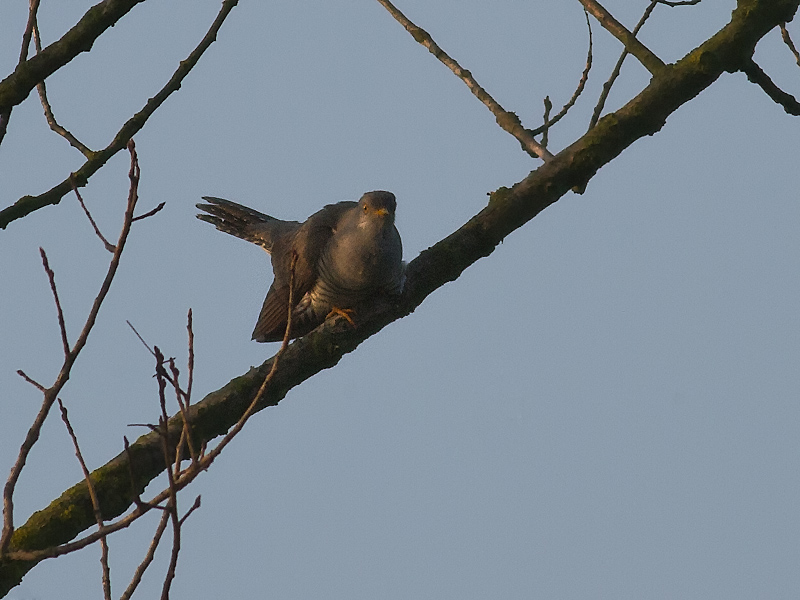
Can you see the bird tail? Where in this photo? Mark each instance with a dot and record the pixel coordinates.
(243, 222)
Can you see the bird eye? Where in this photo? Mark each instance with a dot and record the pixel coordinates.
(366, 208)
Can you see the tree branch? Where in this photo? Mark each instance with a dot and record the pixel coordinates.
(507, 210)
(28, 204)
(649, 60)
(507, 120)
(16, 87)
(756, 75)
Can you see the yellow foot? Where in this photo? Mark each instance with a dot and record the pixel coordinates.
(342, 312)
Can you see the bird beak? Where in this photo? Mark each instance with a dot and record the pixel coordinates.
(382, 212)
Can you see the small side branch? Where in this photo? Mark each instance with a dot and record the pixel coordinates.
(650, 61)
(48, 110)
(756, 75)
(148, 558)
(507, 120)
(788, 41)
(548, 122)
(98, 515)
(108, 245)
(51, 276)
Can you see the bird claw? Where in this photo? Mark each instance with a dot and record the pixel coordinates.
(342, 312)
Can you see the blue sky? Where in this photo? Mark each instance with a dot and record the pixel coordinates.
(606, 407)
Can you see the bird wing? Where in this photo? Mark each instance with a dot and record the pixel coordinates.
(308, 241)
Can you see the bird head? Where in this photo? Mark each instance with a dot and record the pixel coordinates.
(378, 205)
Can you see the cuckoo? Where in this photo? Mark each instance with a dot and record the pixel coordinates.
(347, 254)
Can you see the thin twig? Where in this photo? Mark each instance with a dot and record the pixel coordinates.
(109, 246)
(601, 102)
(193, 508)
(33, 8)
(548, 123)
(548, 106)
(190, 360)
(35, 384)
(51, 276)
(28, 204)
(172, 502)
(176, 546)
(508, 121)
(98, 515)
(141, 339)
(788, 41)
(48, 109)
(650, 61)
(148, 558)
(150, 213)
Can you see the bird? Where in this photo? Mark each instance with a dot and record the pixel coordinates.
(344, 255)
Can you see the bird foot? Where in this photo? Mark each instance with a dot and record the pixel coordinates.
(342, 312)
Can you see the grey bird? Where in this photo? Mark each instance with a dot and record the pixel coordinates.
(347, 253)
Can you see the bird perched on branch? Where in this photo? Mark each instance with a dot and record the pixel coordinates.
(346, 254)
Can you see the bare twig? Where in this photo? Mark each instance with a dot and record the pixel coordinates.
(28, 204)
(108, 245)
(55, 126)
(71, 355)
(172, 510)
(52, 278)
(33, 8)
(148, 558)
(172, 502)
(193, 508)
(507, 120)
(190, 360)
(150, 213)
(548, 122)
(601, 102)
(548, 106)
(649, 60)
(98, 515)
(788, 41)
(48, 110)
(35, 384)
(756, 75)
(141, 339)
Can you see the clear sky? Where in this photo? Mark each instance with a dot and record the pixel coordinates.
(606, 407)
